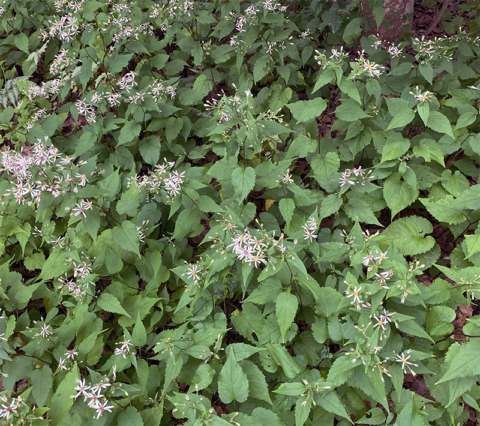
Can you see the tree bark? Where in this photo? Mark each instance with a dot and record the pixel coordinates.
(395, 10)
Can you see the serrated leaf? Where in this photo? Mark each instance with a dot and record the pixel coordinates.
(359, 211)
(42, 383)
(439, 123)
(62, 400)
(126, 236)
(285, 309)
(350, 111)
(130, 417)
(407, 234)
(401, 119)
(464, 363)
(108, 302)
(325, 165)
(260, 68)
(129, 132)
(307, 110)
(203, 376)
(398, 194)
(330, 205)
(257, 385)
(445, 210)
(244, 180)
(466, 120)
(473, 244)
(395, 147)
(324, 78)
(232, 381)
(287, 207)
(139, 334)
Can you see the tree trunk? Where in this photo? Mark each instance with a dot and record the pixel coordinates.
(395, 10)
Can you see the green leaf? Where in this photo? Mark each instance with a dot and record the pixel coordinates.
(429, 150)
(42, 383)
(187, 223)
(207, 205)
(395, 147)
(439, 320)
(350, 111)
(129, 132)
(126, 236)
(287, 207)
(445, 210)
(302, 410)
(348, 87)
(413, 329)
(426, 70)
(352, 31)
(257, 385)
(291, 389)
(464, 363)
(285, 309)
(330, 205)
(129, 202)
(21, 41)
(358, 210)
(265, 292)
(325, 165)
(401, 119)
(108, 302)
(232, 381)
(86, 72)
(466, 120)
(203, 376)
(113, 261)
(439, 123)
(473, 244)
(130, 417)
(62, 400)
(150, 149)
(139, 334)
(260, 68)
(7, 114)
(110, 185)
(408, 235)
(324, 78)
(244, 181)
(307, 110)
(284, 359)
(119, 62)
(398, 194)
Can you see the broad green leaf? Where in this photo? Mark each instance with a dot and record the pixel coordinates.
(139, 334)
(203, 376)
(408, 235)
(232, 381)
(284, 359)
(21, 41)
(110, 186)
(398, 194)
(325, 165)
(287, 207)
(150, 149)
(413, 329)
(439, 123)
(108, 302)
(129, 202)
(291, 389)
(426, 70)
(265, 292)
(358, 210)
(285, 309)
(464, 363)
(42, 383)
(119, 62)
(257, 385)
(173, 128)
(429, 150)
(473, 244)
(324, 78)
(207, 205)
(395, 147)
(244, 181)
(307, 110)
(130, 417)
(62, 400)
(260, 68)
(445, 210)
(113, 261)
(330, 205)
(466, 120)
(348, 87)
(129, 132)
(126, 236)
(439, 320)
(302, 410)
(350, 111)
(401, 119)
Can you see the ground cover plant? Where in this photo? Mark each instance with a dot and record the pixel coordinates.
(225, 212)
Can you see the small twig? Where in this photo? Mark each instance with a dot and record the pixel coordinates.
(438, 17)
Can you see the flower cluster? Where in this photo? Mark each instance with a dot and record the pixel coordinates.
(421, 97)
(309, 229)
(355, 176)
(249, 248)
(124, 349)
(157, 180)
(10, 408)
(94, 395)
(365, 67)
(66, 28)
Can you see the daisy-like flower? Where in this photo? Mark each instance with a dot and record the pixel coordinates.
(61, 364)
(83, 179)
(308, 233)
(102, 407)
(404, 362)
(379, 322)
(121, 351)
(229, 227)
(82, 389)
(382, 256)
(355, 294)
(45, 332)
(71, 354)
(382, 278)
(288, 177)
(377, 348)
(367, 259)
(193, 272)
